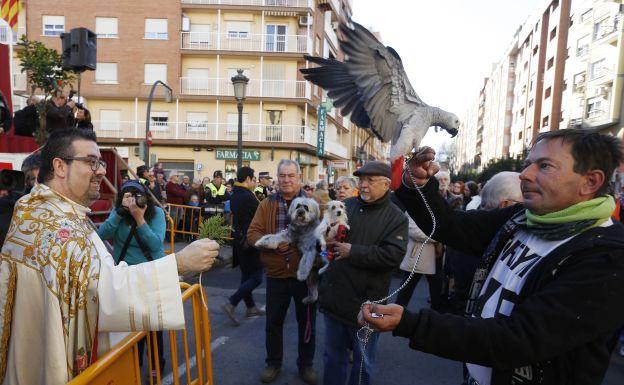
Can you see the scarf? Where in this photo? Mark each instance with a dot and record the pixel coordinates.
(567, 222)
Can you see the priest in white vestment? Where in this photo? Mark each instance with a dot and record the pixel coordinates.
(60, 291)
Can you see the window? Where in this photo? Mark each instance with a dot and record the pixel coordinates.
(530, 103)
(274, 126)
(597, 69)
(520, 135)
(586, 15)
(181, 167)
(232, 124)
(551, 61)
(230, 168)
(106, 27)
(159, 121)
(553, 33)
(594, 107)
(276, 37)
(106, 73)
(579, 82)
(155, 72)
(274, 76)
(582, 46)
(110, 120)
(535, 50)
(547, 92)
(522, 112)
(156, 29)
(601, 29)
(197, 81)
(200, 34)
(197, 121)
(545, 121)
(53, 25)
(238, 29)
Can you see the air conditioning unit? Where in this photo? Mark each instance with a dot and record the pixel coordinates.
(603, 91)
(136, 151)
(304, 21)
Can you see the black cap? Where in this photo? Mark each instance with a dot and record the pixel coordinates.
(217, 174)
(264, 174)
(375, 168)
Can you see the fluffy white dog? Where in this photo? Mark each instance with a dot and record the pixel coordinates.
(333, 227)
(304, 216)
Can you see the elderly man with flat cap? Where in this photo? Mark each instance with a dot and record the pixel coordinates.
(361, 270)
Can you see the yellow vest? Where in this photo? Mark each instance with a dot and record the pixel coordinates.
(215, 192)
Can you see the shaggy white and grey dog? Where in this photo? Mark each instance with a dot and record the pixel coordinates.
(334, 216)
(304, 216)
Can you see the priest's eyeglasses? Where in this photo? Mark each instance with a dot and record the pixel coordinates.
(94, 162)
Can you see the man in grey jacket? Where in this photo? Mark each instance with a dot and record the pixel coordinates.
(361, 271)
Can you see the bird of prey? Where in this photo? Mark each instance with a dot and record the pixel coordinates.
(372, 86)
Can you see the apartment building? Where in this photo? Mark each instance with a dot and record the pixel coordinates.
(561, 70)
(195, 47)
(596, 48)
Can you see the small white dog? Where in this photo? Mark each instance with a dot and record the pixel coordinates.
(333, 227)
(304, 216)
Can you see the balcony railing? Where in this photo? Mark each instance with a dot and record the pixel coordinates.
(595, 114)
(246, 42)
(255, 88)
(203, 130)
(257, 3)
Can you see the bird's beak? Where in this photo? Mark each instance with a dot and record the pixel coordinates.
(453, 132)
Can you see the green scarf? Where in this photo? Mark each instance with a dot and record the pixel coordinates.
(569, 221)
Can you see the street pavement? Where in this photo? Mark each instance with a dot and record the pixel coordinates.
(238, 352)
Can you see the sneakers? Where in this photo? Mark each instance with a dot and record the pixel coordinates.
(308, 375)
(254, 312)
(229, 310)
(269, 374)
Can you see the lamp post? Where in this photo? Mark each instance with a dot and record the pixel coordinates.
(239, 82)
(148, 133)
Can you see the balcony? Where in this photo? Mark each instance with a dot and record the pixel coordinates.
(255, 3)
(336, 148)
(214, 41)
(255, 88)
(205, 131)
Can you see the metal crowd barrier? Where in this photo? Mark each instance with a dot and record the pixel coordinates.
(185, 219)
(121, 364)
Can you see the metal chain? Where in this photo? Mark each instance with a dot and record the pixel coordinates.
(364, 333)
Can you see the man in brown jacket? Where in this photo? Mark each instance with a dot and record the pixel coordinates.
(281, 271)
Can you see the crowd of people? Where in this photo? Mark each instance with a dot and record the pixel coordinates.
(525, 272)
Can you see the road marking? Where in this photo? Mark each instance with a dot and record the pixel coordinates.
(168, 379)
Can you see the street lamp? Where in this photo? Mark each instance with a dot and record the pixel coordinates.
(148, 133)
(239, 82)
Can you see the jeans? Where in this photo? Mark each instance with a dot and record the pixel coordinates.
(279, 292)
(249, 281)
(338, 338)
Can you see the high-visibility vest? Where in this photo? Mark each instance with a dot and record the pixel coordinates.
(215, 192)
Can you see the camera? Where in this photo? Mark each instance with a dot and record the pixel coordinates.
(12, 180)
(139, 198)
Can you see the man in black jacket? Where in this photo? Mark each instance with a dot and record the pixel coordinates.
(546, 299)
(361, 271)
(243, 203)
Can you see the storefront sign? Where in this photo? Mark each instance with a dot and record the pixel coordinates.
(228, 154)
(322, 124)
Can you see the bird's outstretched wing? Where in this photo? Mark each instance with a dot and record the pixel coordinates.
(370, 84)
